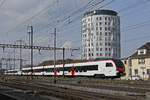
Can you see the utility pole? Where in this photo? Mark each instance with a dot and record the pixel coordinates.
(1, 67)
(32, 51)
(7, 65)
(63, 62)
(54, 55)
(30, 32)
(130, 67)
(21, 41)
(14, 58)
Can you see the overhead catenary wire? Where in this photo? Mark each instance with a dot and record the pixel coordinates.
(91, 3)
(135, 26)
(80, 10)
(32, 17)
(133, 6)
(72, 21)
(124, 9)
(79, 16)
(135, 39)
(128, 26)
(2, 3)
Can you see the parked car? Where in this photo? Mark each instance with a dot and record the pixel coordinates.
(135, 77)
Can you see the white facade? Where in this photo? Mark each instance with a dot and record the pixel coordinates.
(100, 35)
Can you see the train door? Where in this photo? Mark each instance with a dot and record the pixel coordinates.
(109, 69)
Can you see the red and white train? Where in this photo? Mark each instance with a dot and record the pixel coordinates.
(98, 68)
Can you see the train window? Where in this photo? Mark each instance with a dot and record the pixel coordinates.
(109, 65)
(85, 70)
(119, 63)
(80, 70)
(92, 67)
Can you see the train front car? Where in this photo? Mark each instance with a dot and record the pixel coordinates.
(120, 68)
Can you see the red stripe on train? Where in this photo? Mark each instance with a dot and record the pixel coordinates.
(72, 72)
(120, 69)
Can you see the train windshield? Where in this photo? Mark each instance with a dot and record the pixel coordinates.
(119, 63)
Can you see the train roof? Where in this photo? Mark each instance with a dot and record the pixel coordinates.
(86, 61)
(104, 59)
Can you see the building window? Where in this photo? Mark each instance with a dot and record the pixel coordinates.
(100, 28)
(97, 54)
(96, 44)
(96, 28)
(142, 51)
(100, 23)
(105, 28)
(96, 18)
(101, 54)
(148, 71)
(101, 44)
(105, 18)
(96, 33)
(100, 33)
(97, 49)
(141, 61)
(125, 62)
(100, 18)
(136, 71)
(105, 33)
(101, 49)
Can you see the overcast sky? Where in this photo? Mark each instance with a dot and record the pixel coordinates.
(66, 16)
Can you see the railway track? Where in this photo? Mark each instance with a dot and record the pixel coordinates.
(115, 87)
(61, 92)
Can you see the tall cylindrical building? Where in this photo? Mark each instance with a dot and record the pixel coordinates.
(100, 34)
